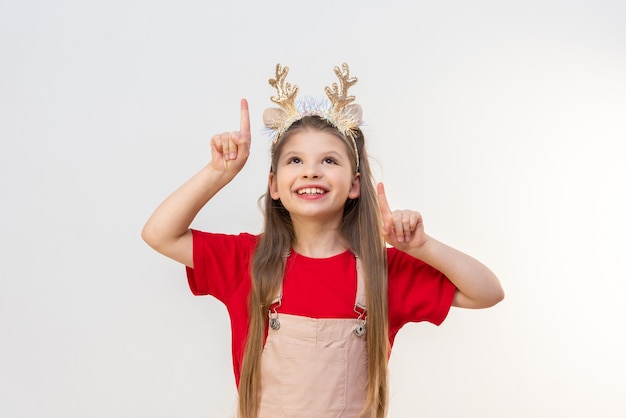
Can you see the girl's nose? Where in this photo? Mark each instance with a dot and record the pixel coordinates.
(311, 171)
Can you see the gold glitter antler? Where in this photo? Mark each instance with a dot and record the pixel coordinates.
(286, 92)
(338, 95)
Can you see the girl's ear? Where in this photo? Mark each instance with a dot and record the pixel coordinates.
(273, 186)
(355, 189)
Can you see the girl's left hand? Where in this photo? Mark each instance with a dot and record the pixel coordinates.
(402, 229)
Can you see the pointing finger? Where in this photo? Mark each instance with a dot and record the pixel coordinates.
(382, 202)
(244, 125)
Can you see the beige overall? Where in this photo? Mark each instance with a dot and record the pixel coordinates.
(315, 368)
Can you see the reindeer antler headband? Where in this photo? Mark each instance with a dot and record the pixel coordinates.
(337, 109)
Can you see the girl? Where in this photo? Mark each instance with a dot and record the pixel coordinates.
(316, 300)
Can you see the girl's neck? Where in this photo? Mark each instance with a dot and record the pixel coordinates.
(318, 241)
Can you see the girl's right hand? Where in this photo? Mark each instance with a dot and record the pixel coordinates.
(230, 150)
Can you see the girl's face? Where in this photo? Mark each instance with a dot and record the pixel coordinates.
(313, 177)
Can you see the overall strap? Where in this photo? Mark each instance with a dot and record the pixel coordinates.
(360, 299)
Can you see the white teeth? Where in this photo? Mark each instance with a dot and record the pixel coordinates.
(311, 190)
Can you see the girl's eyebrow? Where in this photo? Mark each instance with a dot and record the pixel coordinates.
(289, 154)
(333, 152)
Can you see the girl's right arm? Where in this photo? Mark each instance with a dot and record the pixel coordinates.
(167, 230)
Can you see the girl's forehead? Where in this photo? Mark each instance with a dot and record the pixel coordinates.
(314, 141)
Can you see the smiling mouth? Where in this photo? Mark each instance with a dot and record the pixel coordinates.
(311, 191)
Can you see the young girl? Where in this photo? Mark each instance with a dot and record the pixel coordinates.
(316, 300)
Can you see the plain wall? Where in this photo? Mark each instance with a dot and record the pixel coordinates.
(501, 122)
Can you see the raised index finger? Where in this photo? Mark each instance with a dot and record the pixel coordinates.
(385, 210)
(244, 125)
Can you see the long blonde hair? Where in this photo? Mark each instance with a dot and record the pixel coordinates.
(361, 229)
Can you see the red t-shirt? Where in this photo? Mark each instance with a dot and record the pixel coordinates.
(316, 288)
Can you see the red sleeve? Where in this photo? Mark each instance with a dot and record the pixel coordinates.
(221, 262)
(417, 291)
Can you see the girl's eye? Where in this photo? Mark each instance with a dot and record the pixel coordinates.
(294, 160)
(329, 160)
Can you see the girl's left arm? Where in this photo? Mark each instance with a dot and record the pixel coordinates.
(477, 286)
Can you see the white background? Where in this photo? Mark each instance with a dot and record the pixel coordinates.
(502, 122)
